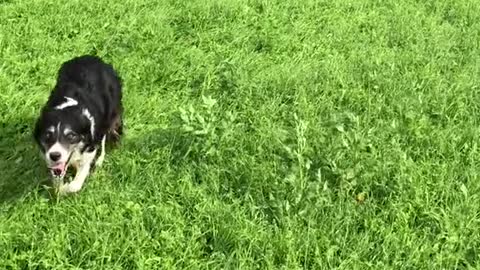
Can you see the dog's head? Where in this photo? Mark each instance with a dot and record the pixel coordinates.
(59, 133)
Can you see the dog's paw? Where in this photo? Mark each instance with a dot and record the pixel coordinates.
(74, 187)
(67, 188)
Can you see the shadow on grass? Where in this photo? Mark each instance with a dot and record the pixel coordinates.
(22, 170)
(176, 142)
(20, 163)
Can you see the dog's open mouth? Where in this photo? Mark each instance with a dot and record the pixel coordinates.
(59, 170)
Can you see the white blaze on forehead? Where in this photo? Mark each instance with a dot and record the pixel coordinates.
(68, 103)
(51, 129)
(66, 131)
(90, 118)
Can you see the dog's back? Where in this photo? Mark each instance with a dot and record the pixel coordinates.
(96, 85)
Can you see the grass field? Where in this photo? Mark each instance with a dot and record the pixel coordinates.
(260, 134)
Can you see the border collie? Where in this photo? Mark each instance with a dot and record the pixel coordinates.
(84, 111)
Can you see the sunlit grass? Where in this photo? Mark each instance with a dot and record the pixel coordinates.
(259, 135)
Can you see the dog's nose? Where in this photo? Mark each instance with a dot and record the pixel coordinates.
(55, 156)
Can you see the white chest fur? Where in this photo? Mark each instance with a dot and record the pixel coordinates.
(77, 159)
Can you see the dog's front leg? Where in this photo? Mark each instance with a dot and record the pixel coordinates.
(101, 157)
(82, 172)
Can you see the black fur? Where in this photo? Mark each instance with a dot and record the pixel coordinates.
(97, 87)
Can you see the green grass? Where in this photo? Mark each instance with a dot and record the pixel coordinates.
(260, 134)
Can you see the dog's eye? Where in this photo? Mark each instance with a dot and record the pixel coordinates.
(72, 137)
(48, 135)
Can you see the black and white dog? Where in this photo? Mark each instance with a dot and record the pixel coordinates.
(84, 110)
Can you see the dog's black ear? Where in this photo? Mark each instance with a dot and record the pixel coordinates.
(39, 123)
(86, 130)
(37, 128)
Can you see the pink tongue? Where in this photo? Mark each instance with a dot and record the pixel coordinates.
(58, 169)
(60, 166)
